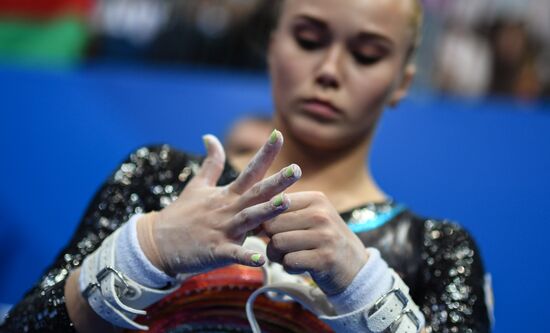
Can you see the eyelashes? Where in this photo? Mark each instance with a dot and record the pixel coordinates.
(311, 39)
(308, 38)
(308, 44)
(366, 60)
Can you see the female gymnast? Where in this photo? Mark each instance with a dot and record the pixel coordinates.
(157, 246)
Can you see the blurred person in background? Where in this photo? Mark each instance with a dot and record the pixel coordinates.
(488, 47)
(246, 136)
(125, 29)
(515, 55)
(217, 32)
(463, 61)
(156, 238)
(205, 32)
(462, 55)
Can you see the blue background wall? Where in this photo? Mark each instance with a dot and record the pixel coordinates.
(485, 164)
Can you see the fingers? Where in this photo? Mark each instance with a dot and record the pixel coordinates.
(231, 253)
(269, 187)
(252, 217)
(287, 242)
(301, 261)
(301, 200)
(212, 166)
(295, 217)
(256, 169)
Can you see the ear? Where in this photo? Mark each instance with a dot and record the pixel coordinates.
(403, 85)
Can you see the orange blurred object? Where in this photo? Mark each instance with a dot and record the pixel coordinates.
(215, 302)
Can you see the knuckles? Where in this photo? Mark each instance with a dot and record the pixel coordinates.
(317, 217)
(255, 190)
(269, 229)
(327, 237)
(328, 259)
(277, 243)
(244, 217)
(318, 197)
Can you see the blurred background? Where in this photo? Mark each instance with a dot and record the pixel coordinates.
(84, 82)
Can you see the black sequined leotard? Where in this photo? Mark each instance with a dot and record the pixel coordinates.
(438, 260)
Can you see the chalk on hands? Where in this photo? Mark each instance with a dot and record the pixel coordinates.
(275, 137)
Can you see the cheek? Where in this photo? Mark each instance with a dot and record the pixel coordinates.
(372, 90)
(286, 75)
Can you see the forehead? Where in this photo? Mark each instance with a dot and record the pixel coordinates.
(389, 18)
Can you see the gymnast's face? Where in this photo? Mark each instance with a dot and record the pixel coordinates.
(335, 65)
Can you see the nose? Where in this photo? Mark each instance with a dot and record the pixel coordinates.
(329, 71)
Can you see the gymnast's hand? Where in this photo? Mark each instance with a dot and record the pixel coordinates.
(312, 237)
(205, 227)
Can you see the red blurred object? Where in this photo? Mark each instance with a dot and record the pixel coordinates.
(44, 9)
(215, 302)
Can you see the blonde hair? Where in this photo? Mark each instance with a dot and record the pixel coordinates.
(417, 19)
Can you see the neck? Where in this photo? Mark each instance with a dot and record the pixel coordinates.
(342, 175)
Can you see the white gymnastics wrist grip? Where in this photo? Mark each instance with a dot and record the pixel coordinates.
(394, 312)
(387, 307)
(111, 293)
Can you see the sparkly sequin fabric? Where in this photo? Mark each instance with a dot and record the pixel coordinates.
(438, 260)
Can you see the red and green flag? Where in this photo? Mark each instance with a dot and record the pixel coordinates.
(43, 31)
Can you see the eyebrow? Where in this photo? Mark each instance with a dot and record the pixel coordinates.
(363, 36)
(315, 21)
(372, 36)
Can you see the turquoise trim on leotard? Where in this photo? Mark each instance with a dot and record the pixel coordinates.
(377, 221)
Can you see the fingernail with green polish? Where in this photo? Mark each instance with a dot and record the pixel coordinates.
(278, 200)
(289, 172)
(292, 171)
(256, 258)
(205, 141)
(274, 137)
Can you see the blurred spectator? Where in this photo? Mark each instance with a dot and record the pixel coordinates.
(487, 47)
(463, 61)
(126, 28)
(463, 51)
(246, 136)
(514, 61)
(213, 32)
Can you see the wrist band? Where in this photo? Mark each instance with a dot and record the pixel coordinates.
(393, 312)
(130, 259)
(111, 293)
(372, 281)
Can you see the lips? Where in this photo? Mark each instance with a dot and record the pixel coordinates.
(321, 109)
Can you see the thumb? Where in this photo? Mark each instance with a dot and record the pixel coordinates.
(212, 166)
(235, 254)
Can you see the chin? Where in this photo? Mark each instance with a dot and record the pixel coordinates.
(317, 135)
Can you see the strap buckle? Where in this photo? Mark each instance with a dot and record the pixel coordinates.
(120, 281)
(407, 313)
(382, 300)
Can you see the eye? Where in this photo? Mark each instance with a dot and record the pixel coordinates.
(368, 54)
(309, 38)
(308, 44)
(366, 59)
